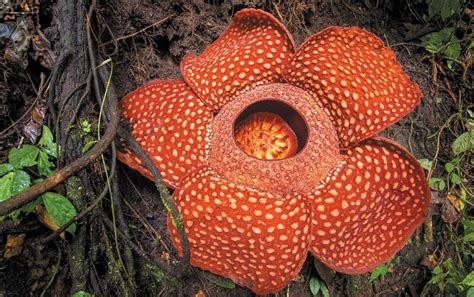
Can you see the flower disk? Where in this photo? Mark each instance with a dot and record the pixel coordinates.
(317, 153)
(266, 136)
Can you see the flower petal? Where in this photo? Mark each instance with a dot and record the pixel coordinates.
(250, 52)
(170, 123)
(369, 208)
(357, 80)
(257, 239)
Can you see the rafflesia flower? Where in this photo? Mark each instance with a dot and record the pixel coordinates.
(271, 151)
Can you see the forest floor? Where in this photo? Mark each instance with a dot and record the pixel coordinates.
(146, 40)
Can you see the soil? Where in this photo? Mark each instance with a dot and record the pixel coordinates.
(173, 29)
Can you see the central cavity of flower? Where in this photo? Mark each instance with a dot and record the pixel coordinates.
(268, 130)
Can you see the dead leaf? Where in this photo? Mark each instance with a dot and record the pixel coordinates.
(429, 262)
(165, 257)
(14, 245)
(32, 129)
(456, 202)
(200, 294)
(16, 54)
(44, 218)
(391, 268)
(298, 279)
(449, 214)
(437, 197)
(452, 208)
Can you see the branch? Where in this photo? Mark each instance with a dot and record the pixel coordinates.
(60, 175)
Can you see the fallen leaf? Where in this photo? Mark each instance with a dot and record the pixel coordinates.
(429, 262)
(456, 201)
(14, 245)
(46, 220)
(200, 294)
(449, 214)
(452, 208)
(298, 279)
(165, 257)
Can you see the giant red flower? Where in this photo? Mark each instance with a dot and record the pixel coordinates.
(271, 151)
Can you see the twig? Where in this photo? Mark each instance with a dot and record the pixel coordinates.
(91, 207)
(59, 65)
(60, 175)
(163, 265)
(38, 96)
(164, 195)
(92, 58)
(143, 30)
(55, 271)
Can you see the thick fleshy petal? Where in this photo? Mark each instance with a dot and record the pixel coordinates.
(170, 123)
(369, 208)
(252, 51)
(356, 79)
(257, 239)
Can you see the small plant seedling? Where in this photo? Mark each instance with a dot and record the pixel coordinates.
(382, 270)
(316, 286)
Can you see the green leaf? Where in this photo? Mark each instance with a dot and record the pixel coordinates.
(434, 42)
(86, 126)
(437, 183)
(471, 112)
(88, 146)
(425, 163)
(449, 167)
(47, 142)
(27, 208)
(314, 286)
(449, 8)
(455, 179)
(469, 279)
(379, 271)
(443, 8)
(464, 142)
(468, 225)
(82, 294)
(60, 209)
(324, 290)
(470, 292)
(218, 280)
(453, 50)
(434, 7)
(23, 157)
(6, 186)
(468, 237)
(5, 168)
(21, 181)
(44, 165)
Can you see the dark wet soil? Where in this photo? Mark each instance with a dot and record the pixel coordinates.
(174, 28)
